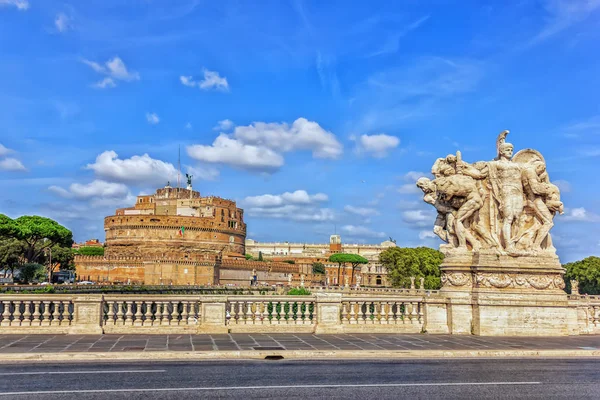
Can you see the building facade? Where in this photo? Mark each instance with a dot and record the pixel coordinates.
(371, 274)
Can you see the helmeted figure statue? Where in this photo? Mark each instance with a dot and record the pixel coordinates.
(506, 205)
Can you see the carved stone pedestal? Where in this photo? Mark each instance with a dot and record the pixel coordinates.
(499, 295)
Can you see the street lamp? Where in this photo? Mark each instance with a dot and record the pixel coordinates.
(49, 250)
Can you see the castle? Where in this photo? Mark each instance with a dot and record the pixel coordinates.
(178, 237)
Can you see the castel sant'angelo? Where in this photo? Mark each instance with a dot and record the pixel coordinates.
(178, 237)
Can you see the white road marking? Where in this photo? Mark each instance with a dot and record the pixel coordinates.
(137, 371)
(323, 386)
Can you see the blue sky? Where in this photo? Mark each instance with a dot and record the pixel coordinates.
(314, 117)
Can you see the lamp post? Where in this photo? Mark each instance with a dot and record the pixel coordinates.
(49, 250)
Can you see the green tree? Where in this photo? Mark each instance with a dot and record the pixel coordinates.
(342, 258)
(404, 262)
(32, 271)
(37, 233)
(249, 257)
(89, 251)
(260, 257)
(318, 268)
(586, 272)
(11, 254)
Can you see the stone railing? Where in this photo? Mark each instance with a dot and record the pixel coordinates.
(139, 313)
(150, 313)
(287, 313)
(368, 314)
(588, 313)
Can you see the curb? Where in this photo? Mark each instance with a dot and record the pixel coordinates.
(292, 354)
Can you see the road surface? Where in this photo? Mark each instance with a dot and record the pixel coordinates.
(334, 379)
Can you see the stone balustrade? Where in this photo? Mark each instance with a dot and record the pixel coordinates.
(292, 313)
(588, 313)
(35, 312)
(349, 311)
(406, 313)
(150, 313)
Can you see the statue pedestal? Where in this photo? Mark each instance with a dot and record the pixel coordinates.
(499, 295)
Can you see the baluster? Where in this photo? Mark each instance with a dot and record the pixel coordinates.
(129, 313)
(36, 313)
(17, 314)
(138, 313)
(258, 313)
(413, 313)
(596, 315)
(120, 320)
(279, 310)
(372, 312)
(165, 320)
(393, 316)
(421, 317)
(345, 311)
(383, 310)
(303, 311)
(26, 313)
(110, 316)
(248, 316)
(353, 317)
(175, 320)
(148, 314)
(6, 314)
(158, 316)
(192, 314)
(46, 316)
(184, 312)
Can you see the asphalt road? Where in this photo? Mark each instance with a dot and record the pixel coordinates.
(423, 379)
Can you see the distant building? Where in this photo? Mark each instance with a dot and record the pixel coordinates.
(88, 243)
(178, 237)
(373, 274)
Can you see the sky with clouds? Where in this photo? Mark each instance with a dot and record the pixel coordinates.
(314, 116)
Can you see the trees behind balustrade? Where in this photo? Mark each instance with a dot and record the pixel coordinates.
(586, 272)
(342, 258)
(403, 262)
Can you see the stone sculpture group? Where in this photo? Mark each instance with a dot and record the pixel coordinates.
(505, 206)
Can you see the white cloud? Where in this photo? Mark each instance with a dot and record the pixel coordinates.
(427, 235)
(392, 43)
(212, 80)
(224, 125)
(580, 214)
(258, 146)
(62, 22)
(152, 118)
(562, 15)
(361, 231)
(297, 197)
(362, 211)
(418, 218)
(95, 189)
(301, 135)
(20, 4)
(563, 185)
(188, 125)
(105, 83)
(137, 169)
(4, 150)
(296, 206)
(235, 153)
(12, 164)
(203, 173)
(377, 146)
(411, 187)
(114, 68)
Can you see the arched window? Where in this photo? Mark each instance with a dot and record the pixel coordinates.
(378, 280)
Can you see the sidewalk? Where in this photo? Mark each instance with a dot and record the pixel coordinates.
(14, 348)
